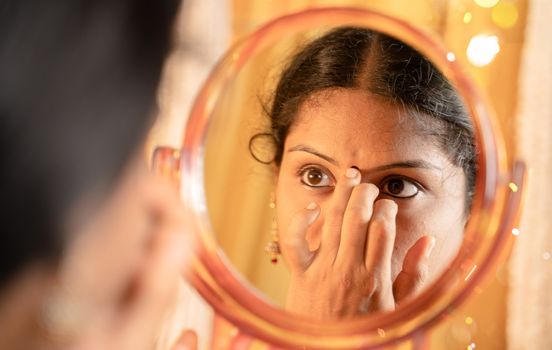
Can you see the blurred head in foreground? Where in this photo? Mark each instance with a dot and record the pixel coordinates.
(77, 96)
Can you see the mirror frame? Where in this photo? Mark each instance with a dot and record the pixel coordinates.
(487, 237)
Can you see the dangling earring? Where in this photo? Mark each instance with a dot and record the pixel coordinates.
(273, 247)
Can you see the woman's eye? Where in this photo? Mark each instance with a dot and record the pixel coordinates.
(400, 188)
(315, 177)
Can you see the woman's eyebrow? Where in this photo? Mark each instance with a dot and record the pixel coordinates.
(303, 148)
(408, 164)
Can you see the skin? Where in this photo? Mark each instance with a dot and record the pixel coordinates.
(121, 270)
(360, 241)
(126, 262)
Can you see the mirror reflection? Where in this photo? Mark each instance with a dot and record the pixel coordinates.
(354, 157)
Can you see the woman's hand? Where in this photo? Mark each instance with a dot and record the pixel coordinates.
(350, 272)
(122, 269)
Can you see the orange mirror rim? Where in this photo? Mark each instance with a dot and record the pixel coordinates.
(488, 232)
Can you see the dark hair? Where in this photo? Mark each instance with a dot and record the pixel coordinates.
(359, 58)
(77, 91)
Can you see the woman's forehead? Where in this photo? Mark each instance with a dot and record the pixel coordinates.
(354, 127)
(358, 122)
(354, 110)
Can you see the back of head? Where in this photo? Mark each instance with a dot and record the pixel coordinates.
(77, 91)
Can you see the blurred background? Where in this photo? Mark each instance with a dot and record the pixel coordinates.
(504, 44)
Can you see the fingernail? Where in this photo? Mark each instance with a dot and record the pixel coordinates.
(311, 206)
(351, 173)
(430, 246)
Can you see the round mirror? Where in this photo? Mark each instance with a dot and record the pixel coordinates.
(356, 146)
(356, 158)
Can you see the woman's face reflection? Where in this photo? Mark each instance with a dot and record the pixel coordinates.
(334, 130)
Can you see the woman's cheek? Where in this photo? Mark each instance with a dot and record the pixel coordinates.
(448, 242)
(414, 222)
(410, 226)
(286, 204)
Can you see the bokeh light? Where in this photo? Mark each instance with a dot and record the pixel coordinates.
(486, 3)
(505, 15)
(482, 49)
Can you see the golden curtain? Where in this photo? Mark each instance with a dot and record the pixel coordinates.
(530, 295)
